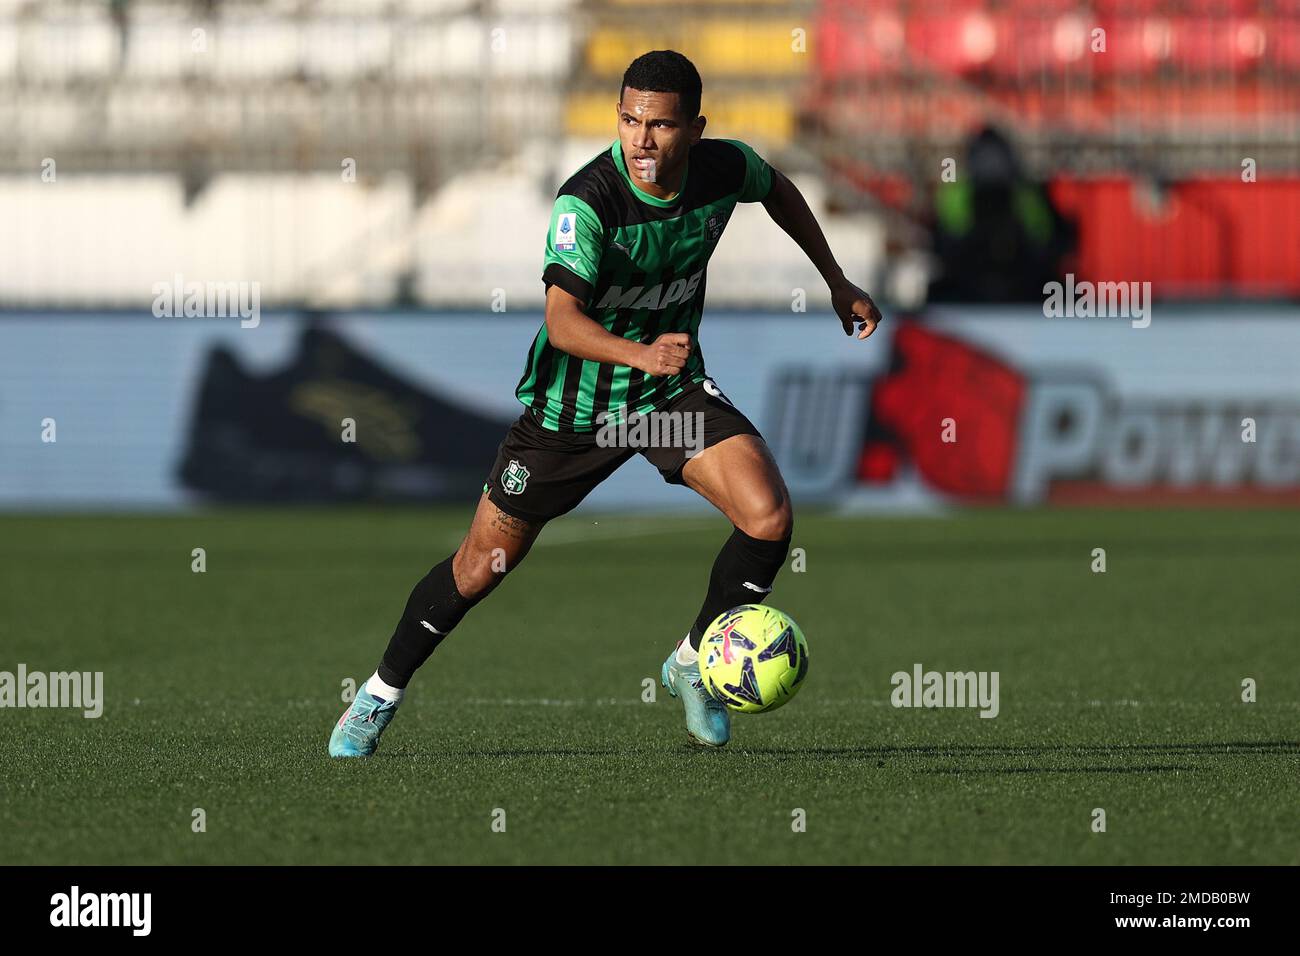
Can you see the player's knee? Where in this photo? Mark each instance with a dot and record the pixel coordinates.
(769, 520)
(479, 570)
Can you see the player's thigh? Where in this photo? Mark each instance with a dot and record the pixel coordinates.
(740, 477)
(541, 474)
(538, 475)
(495, 545)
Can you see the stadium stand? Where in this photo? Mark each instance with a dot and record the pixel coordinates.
(215, 137)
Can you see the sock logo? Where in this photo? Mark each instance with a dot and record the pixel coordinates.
(515, 478)
(432, 628)
(755, 587)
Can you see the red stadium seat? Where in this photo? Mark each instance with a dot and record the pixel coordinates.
(957, 43)
(1207, 236)
(1283, 45)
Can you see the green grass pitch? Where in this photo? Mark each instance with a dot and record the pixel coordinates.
(1119, 691)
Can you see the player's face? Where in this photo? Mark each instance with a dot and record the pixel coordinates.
(656, 139)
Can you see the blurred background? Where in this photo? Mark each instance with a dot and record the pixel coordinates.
(232, 228)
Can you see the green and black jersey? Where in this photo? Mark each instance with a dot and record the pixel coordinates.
(638, 265)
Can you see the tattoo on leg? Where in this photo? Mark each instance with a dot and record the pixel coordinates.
(510, 526)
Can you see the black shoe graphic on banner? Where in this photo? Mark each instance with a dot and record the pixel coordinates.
(333, 425)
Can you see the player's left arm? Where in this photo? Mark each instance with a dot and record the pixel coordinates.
(789, 210)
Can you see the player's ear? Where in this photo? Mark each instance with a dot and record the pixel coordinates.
(697, 128)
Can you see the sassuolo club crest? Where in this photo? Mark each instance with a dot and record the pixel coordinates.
(713, 226)
(515, 478)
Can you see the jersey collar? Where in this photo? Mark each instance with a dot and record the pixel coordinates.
(616, 151)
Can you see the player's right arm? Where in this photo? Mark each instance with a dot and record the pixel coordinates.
(574, 246)
(571, 330)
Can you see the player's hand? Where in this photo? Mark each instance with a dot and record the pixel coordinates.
(667, 355)
(852, 305)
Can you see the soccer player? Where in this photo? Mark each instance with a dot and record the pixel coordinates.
(630, 237)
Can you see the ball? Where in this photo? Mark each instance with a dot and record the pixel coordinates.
(753, 658)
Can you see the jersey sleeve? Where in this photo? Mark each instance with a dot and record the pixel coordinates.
(574, 247)
(758, 174)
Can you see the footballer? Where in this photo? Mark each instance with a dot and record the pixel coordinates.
(630, 238)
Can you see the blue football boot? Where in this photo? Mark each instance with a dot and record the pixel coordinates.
(708, 722)
(357, 732)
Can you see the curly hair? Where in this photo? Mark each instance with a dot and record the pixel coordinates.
(666, 71)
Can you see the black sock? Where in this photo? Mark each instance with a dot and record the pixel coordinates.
(434, 602)
(742, 560)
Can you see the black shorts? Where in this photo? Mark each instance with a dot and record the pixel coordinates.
(541, 474)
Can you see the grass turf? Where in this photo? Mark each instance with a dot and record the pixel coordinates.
(1119, 690)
